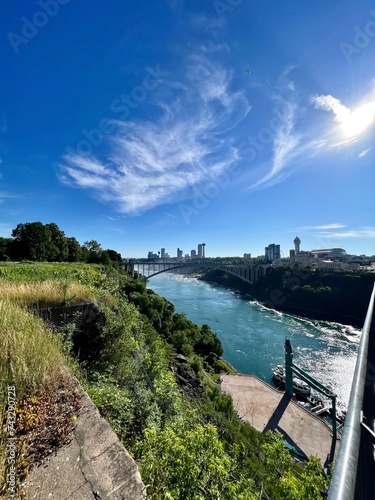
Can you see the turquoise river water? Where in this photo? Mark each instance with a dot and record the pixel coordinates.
(253, 336)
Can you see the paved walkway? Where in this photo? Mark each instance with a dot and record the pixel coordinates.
(265, 408)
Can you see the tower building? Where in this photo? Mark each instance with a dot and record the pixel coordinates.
(297, 243)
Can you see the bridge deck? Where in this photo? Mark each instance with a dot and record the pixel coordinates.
(265, 408)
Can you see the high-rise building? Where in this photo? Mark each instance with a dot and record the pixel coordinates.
(204, 250)
(272, 252)
(297, 243)
(179, 253)
(247, 255)
(200, 251)
(193, 254)
(152, 255)
(162, 255)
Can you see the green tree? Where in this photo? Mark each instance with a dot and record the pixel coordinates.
(6, 248)
(59, 241)
(187, 460)
(74, 250)
(33, 241)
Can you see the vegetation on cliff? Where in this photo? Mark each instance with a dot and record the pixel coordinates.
(149, 370)
(331, 295)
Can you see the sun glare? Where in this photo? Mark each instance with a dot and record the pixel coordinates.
(358, 120)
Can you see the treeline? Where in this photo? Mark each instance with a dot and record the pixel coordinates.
(39, 242)
(324, 295)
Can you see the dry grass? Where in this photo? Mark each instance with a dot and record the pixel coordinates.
(30, 358)
(45, 292)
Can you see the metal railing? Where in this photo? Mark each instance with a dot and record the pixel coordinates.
(343, 481)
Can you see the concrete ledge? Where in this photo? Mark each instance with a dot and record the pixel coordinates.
(94, 465)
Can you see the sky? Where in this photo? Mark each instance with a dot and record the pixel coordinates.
(176, 122)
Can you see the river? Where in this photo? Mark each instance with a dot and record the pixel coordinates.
(253, 336)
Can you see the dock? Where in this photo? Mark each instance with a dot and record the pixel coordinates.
(266, 408)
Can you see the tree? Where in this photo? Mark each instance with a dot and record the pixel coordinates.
(6, 248)
(187, 460)
(33, 241)
(95, 252)
(59, 241)
(114, 256)
(74, 250)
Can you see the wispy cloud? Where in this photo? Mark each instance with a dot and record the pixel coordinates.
(330, 226)
(330, 103)
(334, 225)
(170, 215)
(285, 147)
(365, 232)
(364, 152)
(289, 143)
(153, 163)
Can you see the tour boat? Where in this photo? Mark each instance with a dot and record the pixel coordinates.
(299, 385)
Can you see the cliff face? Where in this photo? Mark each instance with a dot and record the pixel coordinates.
(333, 296)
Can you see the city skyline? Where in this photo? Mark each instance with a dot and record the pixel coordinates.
(174, 121)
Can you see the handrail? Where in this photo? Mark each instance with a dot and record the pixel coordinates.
(343, 481)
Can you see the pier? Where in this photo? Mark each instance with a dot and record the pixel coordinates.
(266, 408)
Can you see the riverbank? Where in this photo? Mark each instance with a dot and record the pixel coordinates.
(324, 296)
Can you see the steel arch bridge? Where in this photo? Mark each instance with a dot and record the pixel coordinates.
(249, 274)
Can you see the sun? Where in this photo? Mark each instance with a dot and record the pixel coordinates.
(358, 120)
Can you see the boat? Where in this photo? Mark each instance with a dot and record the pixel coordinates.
(299, 386)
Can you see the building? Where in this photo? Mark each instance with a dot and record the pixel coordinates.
(162, 253)
(247, 255)
(297, 243)
(152, 255)
(193, 254)
(329, 253)
(180, 253)
(272, 252)
(204, 249)
(200, 251)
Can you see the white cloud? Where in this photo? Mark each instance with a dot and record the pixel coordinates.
(285, 147)
(334, 225)
(153, 163)
(365, 232)
(330, 103)
(330, 226)
(364, 152)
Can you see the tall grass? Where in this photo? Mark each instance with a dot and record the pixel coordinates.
(30, 357)
(45, 292)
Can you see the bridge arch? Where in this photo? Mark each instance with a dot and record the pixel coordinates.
(197, 266)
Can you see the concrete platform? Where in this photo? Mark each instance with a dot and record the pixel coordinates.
(265, 408)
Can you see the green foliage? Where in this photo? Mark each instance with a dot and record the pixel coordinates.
(187, 460)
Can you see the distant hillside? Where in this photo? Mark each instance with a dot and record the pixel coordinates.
(333, 296)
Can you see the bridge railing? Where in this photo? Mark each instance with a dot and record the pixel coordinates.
(343, 483)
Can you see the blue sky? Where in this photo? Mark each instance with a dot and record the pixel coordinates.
(170, 123)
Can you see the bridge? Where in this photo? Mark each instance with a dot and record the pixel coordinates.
(149, 268)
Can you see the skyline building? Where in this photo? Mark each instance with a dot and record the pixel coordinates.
(193, 254)
(200, 251)
(180, 253)
(297, 243)
(272, 252)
